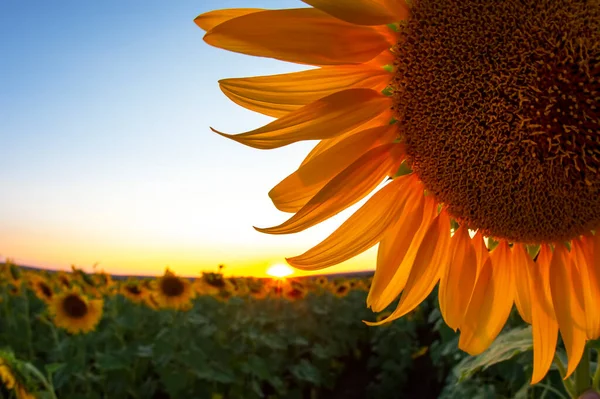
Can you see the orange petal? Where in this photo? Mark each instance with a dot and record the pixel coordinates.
(545, 327)
(523, 264)
(302, 35)
(403, 270)
(293, 192)
(432, 256)
(490, 303)
(587, 252)
(562, 284)
(278, 95)
(458, 280)
(324, 118)
(396, 242)
(324, 145)
(361, 12)
(344, 190)
(210, 19)
(357, 234)
(481, 249)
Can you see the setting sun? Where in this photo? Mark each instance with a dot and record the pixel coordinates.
(279, 270)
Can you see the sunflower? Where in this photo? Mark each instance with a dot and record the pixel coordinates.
(6, 375)
(174, 292)
(75, 313)
(132, 290)
(340, 289)
(321, 281)
(294, 292)
(12, 378)
(482, 120)
(41, 288)
(64, 279)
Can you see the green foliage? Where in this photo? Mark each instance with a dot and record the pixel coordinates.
(505, 347)
(244, 347)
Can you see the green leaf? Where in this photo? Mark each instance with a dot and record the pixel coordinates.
(52, 368)
(306, 372)
(506, 346)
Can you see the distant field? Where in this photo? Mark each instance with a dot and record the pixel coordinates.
(78, 335)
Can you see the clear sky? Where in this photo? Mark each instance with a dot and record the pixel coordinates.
(106, 153)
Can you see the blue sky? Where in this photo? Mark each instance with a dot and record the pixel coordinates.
(107, 155)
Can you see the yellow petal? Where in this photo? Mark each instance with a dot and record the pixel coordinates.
(293, 192)
(587, 252)
(324, 118)
(562, 285)
(361, 12)
(490, 303)
(210, 19)
(432, 256)
(278, 95)
(545, 327)
(523, 264)
(344, 190)
(357, 234)
(302, 35)
(403, 270)
(324, 145)
(396, 242)
(458, 280)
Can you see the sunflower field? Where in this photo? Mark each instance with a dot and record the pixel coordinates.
(79, 335)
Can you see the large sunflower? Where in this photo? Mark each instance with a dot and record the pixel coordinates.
(75, 313)
(480, 116)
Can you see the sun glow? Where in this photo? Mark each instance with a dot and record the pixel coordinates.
(279, 270)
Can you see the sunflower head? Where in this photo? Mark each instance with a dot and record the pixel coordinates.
(76, 313)
(321, 281)
(6, 375)
(174, 292)
(478, 117)
(64, 280)
(294, 293)
(133, 290)
(340, 289)
(42, 288)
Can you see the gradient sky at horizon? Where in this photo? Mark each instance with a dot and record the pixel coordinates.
(107, 156)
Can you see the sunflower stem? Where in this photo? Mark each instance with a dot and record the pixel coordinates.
(28, 326)
(596, 380)
(582, 374)
(46, 382)
(567, 382)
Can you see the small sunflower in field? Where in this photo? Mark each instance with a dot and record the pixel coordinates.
(104, 282)
(174, 292)
(6, 375)
(151, 302)
(133, 290)
(340, 289)
(85, 281)
(257, 289)
(462, 117)
(41, 288)
(64, 280)
(321, 281)
(238, 287)
(76, 313)
(12, 378)
(294, 292)
(203, 287)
